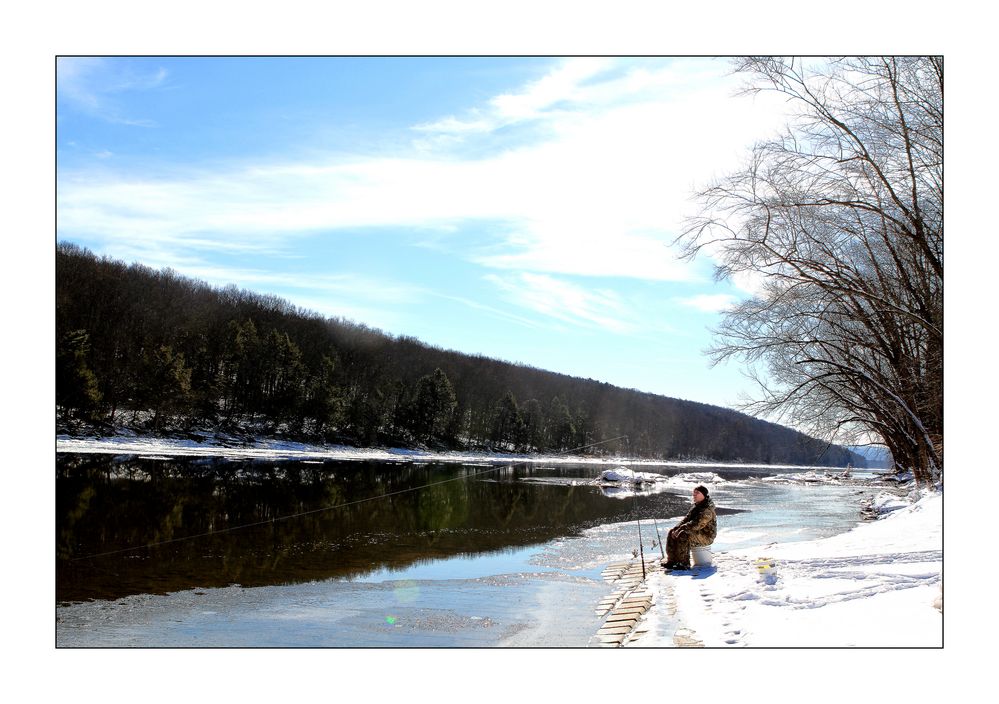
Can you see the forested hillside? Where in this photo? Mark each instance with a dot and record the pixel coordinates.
(138, 346)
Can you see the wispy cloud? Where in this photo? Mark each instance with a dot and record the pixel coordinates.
(599, 191)
(356, 286)
(91, 85)
(565, 301)
(563, 84)
(496, 312)
(371, 300)
(560, 85)
(453, 125)
(710, 303)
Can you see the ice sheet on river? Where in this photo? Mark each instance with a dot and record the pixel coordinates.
(628, 476)
(812, 476)
(624, 476)
(622, 482)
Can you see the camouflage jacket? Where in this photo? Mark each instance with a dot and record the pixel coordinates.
(700, 523)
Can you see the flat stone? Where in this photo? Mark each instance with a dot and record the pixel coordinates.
(623, 630)
(610, 639)
(621, 620)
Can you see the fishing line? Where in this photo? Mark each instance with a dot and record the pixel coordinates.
(327, 508)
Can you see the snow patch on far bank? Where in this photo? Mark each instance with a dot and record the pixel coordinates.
(228, 447)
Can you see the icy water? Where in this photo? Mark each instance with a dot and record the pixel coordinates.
(367, 554)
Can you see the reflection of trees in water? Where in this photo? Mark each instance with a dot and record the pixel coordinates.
(106, 505)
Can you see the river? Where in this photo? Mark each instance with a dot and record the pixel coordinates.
(160, 552)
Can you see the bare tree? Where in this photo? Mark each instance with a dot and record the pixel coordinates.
(841, 218)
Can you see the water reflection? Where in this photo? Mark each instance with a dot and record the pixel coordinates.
(347, 518)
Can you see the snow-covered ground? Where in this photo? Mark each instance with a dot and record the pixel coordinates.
(267, 449)
(878, 585)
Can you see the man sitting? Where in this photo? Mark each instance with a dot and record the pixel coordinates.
(698, 527)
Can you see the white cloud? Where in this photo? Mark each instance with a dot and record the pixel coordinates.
(567, 302)
(710, 303)
(373, 301)
(561, 84)
(496, 312)
(602, 193)
(453, 124)
(350, 285)
(73, 75)
(90, 84)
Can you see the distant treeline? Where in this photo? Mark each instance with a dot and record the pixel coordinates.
(135, 345)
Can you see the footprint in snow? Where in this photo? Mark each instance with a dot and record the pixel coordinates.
(733, 637)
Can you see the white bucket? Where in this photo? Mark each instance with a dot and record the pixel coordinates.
(701, 555)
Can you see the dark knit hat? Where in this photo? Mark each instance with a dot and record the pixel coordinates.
(701, 488)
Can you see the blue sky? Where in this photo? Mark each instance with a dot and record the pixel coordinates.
(513, 207)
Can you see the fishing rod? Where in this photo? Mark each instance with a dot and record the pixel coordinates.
(324, 508)
(641, 548)
(659, 538)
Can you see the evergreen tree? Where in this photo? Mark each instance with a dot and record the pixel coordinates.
(508, 423)
(561, 428)
(282, 375)
(534, 426)
(240, 371)
(322, 403)
(76, 384)
(166, 383)
(432, 406)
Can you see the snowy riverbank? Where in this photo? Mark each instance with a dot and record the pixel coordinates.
(878, 585)
(226, 447)
(750, 675)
